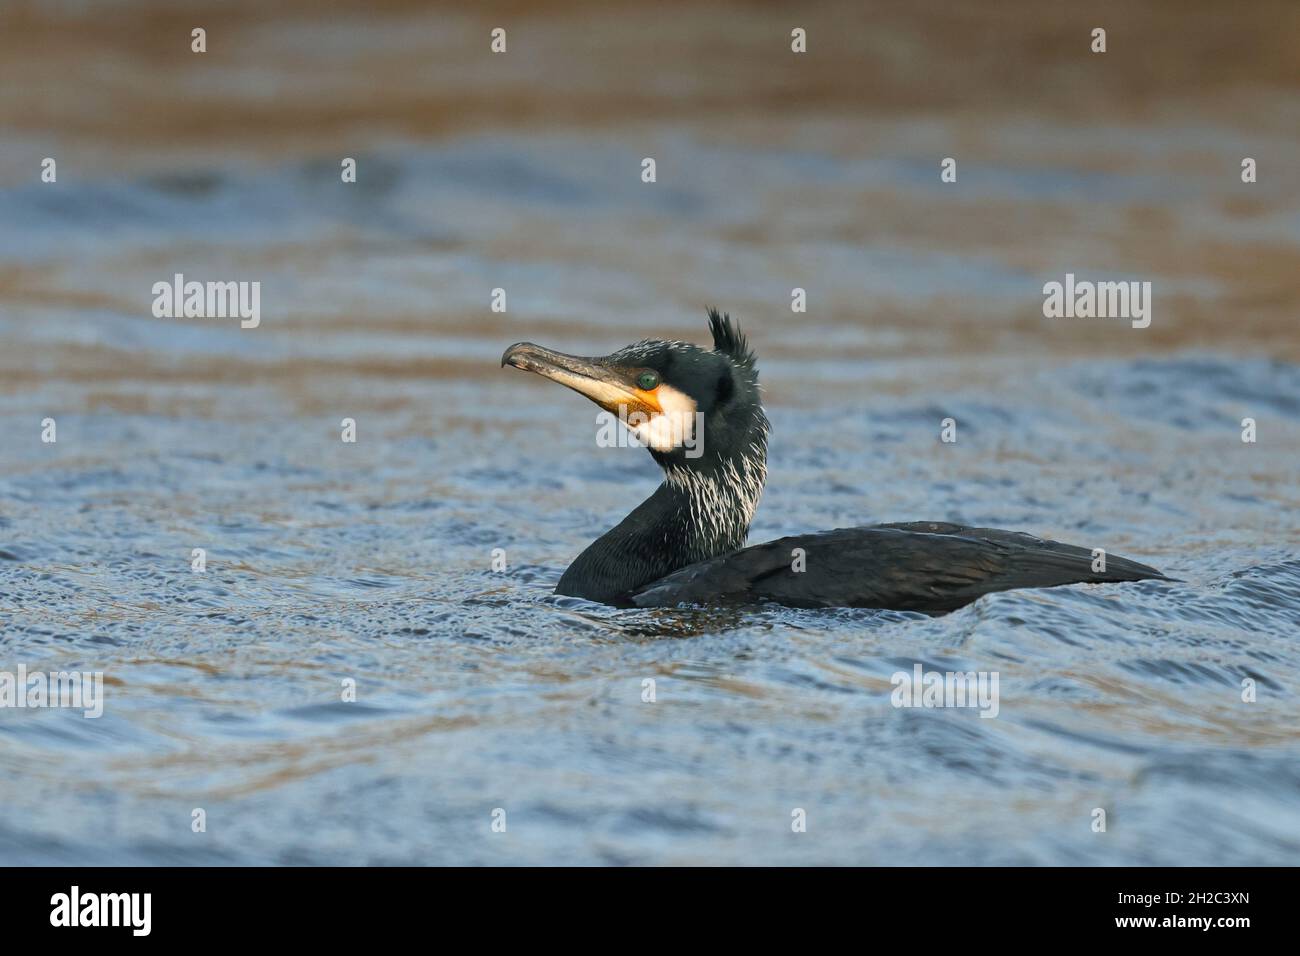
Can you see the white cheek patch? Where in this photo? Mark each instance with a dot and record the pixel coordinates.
(674, 427)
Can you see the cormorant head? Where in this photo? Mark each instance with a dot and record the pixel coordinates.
(694, 408)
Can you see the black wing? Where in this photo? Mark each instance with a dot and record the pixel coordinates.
(914, 566)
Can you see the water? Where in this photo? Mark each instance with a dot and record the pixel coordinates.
(479, 690)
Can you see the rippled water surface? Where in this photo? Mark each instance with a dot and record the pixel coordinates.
(479, 690)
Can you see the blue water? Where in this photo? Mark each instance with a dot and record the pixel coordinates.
(479, 690)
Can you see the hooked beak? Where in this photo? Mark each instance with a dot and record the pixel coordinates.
(607, 385)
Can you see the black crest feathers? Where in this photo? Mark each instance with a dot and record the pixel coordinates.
(729, 340)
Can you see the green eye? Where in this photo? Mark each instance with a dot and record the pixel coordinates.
(647, 381)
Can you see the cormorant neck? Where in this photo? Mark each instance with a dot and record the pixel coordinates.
(702, 509)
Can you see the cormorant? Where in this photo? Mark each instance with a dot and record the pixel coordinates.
(698, 411)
